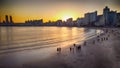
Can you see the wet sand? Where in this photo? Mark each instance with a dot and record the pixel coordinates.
(102, 51)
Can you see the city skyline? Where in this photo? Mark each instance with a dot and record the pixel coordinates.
(52, 9)
(109, 18)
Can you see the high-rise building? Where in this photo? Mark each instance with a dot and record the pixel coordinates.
(109, 17)
(106, 11)
(118, 19)
(11, 21)
(90, 18)
(80, 22)
(112, 18)
(6, 19)
(70, 21)
(59, 22)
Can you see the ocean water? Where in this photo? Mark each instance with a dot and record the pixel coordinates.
(22, 45)
(21, 37)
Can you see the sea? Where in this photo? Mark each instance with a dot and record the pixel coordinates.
(22, 37)
(21, 45)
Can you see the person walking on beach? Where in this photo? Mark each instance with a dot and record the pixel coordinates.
(101, 39)
(98, 40)
(79, 47)
(106, 38)
(74, 45)
(59, 50)
(98, 36)
(70, 49)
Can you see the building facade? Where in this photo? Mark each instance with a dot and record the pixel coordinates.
(90, 18)
(109, 17)
(6, 19)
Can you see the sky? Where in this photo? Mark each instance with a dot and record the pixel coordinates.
(22, 10)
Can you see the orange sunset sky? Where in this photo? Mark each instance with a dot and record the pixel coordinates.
(22, 10)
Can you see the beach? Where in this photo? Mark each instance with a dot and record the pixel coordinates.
(100, 54)
(101, 51)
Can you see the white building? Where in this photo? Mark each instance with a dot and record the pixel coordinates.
(69, 22)
(100, 21)
(80, 22)
(90, 18)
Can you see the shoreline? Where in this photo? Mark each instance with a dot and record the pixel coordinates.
(100, 54)
(68, 26)
(32, 47)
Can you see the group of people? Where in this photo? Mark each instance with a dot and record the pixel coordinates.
(100, 38)
(72, 48)
(106, 35)
(59, 50)
(75, 47)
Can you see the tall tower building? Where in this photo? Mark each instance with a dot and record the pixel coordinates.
(106, 11)
(11, 21)
(6, 19)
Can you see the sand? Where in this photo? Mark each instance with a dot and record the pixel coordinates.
(104, 53)
(98, 54)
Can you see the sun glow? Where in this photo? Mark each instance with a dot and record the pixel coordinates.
(64, 15)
